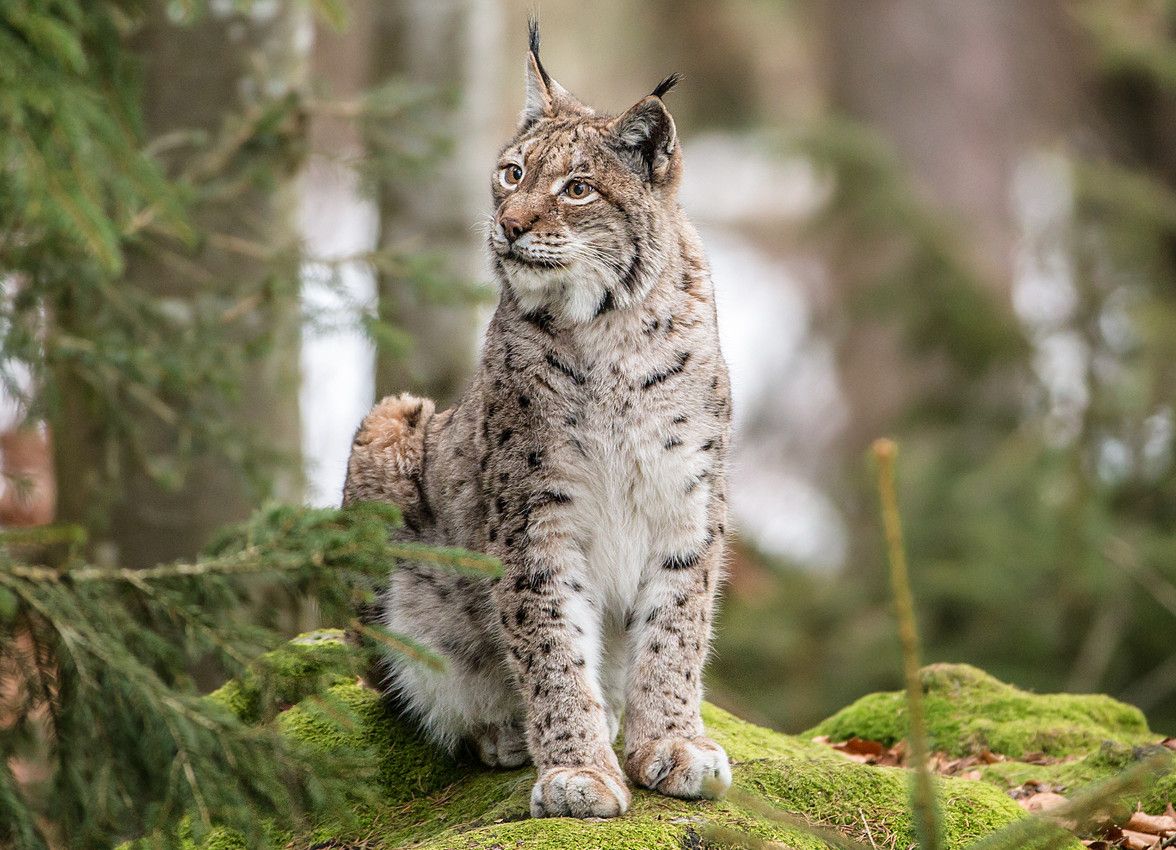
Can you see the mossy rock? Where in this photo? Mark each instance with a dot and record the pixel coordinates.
(1083, 738)
(309, 664)
(431, 801)
(968, 710)
(453, 804)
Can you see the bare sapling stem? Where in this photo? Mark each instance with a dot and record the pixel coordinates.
(926, 812)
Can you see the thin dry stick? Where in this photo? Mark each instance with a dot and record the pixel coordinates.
(866, 824)
(459, 559)
(400, 643)
(923, 793)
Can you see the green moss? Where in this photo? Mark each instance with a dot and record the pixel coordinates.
(813, 781)
(281, 678)
(842, 794)
(968, 710)
(219, 839)
(348, 716)
(653, 821)
(745, 741)
(425, 799)
(631, 831)
(488, 810)
(831, 792)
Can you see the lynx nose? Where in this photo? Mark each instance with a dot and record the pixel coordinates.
(515, 224)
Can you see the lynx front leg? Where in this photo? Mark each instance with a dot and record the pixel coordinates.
(665, 745)
(554, 638)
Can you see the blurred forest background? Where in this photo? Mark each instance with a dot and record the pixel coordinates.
(227, 226)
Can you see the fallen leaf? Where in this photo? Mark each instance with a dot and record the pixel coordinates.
(861, 750)
(895, 756)
(989, 757)
(1152, 824)
(860, 746)
(1043, 802)
(1112, 835)
(1139, 840)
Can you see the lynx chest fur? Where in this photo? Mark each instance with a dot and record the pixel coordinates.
(626, 417)
(588, 454)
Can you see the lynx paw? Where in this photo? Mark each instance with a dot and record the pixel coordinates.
(681, 767)
(502, 745)
(579, 792)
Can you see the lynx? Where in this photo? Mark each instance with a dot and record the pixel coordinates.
(588, 454)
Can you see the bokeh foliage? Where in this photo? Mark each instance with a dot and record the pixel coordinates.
(104, 733)
(1041, 517)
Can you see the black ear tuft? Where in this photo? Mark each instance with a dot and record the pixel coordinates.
(645, 137)
(533, 46)
(662, 87)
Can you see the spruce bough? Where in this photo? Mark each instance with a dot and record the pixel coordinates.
(105, 734)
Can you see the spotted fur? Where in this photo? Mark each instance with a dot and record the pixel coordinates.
(589, 455)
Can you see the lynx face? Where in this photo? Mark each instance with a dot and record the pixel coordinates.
(579, 199)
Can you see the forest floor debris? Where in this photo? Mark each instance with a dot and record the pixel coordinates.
(1140, 831)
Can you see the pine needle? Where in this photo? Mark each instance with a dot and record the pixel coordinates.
(462, 560)
(401, 644)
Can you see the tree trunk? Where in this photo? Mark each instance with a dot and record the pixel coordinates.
(962, 91)
(452, 48)
(197, 77)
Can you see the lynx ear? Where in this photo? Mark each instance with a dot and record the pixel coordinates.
(545, 97)
(646, 136)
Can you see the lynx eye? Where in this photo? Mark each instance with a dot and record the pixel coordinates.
(511, 175)
(578, 190)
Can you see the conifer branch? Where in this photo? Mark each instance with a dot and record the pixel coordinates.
(472, 563)
(401, 644)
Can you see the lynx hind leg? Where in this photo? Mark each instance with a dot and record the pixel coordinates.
(474, 700)
(387, 453)
(502, 744)
(459, 711)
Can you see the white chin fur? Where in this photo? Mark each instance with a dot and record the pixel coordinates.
(572, 293)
